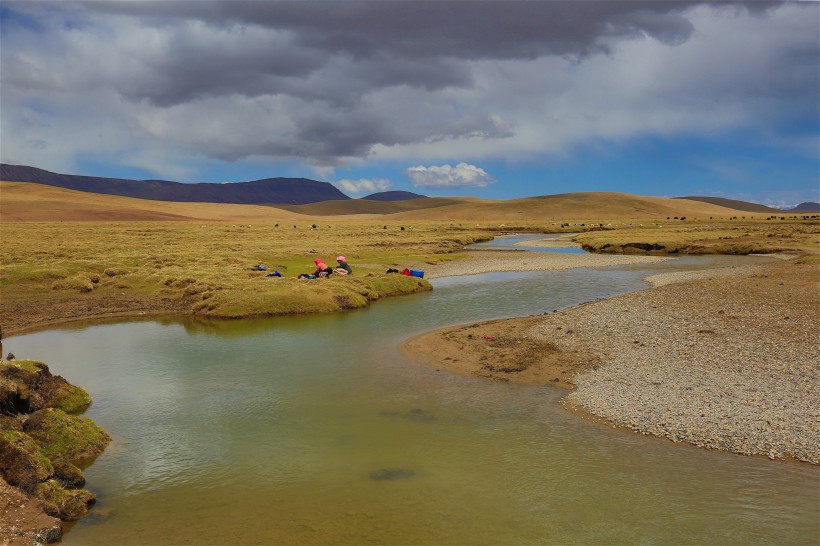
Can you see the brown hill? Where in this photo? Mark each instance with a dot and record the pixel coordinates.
(593, 206)
(366, 206)
(294, 191)
(396, 195)
(27, 202)
(808, 206)
(744, 206)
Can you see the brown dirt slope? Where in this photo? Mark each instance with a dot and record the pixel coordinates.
(28, 202)
(22, 521)
(590, 205)
(364, 206)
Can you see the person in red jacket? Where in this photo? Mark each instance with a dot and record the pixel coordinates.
(322, 270)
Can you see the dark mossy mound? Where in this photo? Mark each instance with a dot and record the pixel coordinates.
(64, 436)
(27, 386)
(21, 461)
(66, 504)
(41, 442)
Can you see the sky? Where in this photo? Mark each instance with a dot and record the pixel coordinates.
(497, 99)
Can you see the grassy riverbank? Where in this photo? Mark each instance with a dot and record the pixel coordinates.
(53, 272)
(60, 271)
(43, 443)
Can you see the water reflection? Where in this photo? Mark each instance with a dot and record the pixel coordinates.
(562, 243)
(308, 430)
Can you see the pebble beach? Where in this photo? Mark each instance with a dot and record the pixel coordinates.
(724, 359)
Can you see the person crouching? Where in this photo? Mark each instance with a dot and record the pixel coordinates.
(343, 268)
(322, 269)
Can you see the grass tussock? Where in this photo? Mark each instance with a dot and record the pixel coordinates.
(757, 236)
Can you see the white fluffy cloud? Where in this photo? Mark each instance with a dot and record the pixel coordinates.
(446, 176)
(364, 185)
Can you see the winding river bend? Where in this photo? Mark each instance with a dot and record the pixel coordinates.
(314, 430)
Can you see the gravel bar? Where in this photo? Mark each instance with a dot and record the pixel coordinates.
(725, 359)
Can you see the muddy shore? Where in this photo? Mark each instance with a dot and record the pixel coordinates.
(724, 358)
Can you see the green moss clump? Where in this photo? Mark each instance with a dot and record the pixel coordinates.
(64, 396)
(64, 436)
(39, 453)
(21, 461)
(31, 366)
(66, 504)
(11, 392)
(27, 385)
(393, 284)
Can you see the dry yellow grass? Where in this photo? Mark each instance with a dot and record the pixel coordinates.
(579, 207)
(26, 202)
(749, 236)
(73, 265)
(60, 270)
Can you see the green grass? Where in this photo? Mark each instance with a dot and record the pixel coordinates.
(201, 267)
(66, 504)
(68, 437)
(204, 264)
(24, 462)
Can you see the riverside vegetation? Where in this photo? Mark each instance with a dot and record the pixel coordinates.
(53, 272)
(43, 444)
(59, 271)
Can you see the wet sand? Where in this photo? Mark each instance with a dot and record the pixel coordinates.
(725, 359)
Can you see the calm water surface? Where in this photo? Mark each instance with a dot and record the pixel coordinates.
(314, 430)
(507, 242)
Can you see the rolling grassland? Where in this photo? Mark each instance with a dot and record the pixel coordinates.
(69, 255)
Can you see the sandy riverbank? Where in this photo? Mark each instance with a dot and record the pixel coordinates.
(725, 359)
(486, 261)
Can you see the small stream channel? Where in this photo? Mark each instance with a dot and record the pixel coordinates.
(314, 430)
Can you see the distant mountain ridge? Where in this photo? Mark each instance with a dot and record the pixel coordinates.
(274, 191)
(808, 206)
(394, 196)
(732, 204)
(752, 207)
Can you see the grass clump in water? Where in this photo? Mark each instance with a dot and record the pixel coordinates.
(40, 444)
(66, 504)
(63, 436)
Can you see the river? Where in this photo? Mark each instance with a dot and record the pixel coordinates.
(314, 430)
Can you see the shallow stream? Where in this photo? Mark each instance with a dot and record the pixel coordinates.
(314, 430)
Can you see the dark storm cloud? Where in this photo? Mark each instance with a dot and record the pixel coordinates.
(323, 82)
(466, 30)
(419, 44)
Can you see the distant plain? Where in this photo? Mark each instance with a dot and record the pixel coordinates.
(69, 255)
